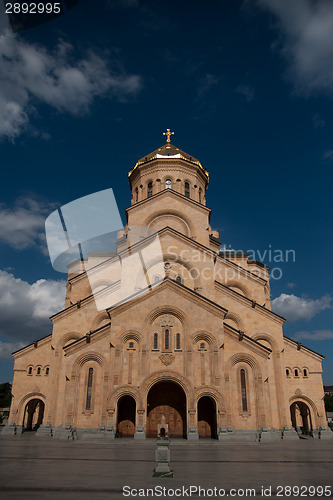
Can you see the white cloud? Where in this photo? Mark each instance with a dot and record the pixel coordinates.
(294, 308)
(291, 285)
(246, 92)
(315, 335)
(328, 155)
(307, 41)
(22, 226)
(318, 122)
(30, 74)
(207, 83)
(25, 309)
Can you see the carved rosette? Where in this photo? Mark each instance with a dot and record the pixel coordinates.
(167, 359)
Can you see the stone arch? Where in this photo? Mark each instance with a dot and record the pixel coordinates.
(268, 338)
(67, 337)
(305, 399)
(244, 358)
(167, 309)
(212, 393)
(100, 282)
(131, 335)
(85, 358)
(125, 390)
(28, 397)
(168, 376)
(204, 336)
(179, 216)
(240, 285)
(236, 319)
(102, 316)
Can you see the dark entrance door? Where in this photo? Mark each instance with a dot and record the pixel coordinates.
(301, 417)
(166, 399)
(206, 417)
(33, 415)
(126, 416)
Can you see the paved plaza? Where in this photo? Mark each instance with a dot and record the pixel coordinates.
(36, 468)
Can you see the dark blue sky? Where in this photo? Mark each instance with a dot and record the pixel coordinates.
(246, 86)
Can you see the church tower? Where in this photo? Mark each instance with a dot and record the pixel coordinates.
(168, 333)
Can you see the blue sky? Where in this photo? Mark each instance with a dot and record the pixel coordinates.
(247, 86)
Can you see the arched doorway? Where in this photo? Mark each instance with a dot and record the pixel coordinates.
(126, 417)
(301, 417)
(207, 426)
(166, 399)
(33, 415)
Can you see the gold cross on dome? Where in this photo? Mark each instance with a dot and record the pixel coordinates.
(168, 134)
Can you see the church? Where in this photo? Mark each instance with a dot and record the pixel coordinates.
(167, 334)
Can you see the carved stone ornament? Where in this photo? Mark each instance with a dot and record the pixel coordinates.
(298, 392)
(167, 359)
(167, 320)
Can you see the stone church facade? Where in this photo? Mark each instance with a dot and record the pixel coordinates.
(196, 349)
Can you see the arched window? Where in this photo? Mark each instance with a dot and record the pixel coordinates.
(166, 339)
(296, 372)
(202, 345)
(187, 190)
(168, 184)
(178, 279)
(30, 370)
(150, 190)
(38, 370)
(89, 388)
(155, 341)
(136, 195)
(47, 370)
(243, 390)
(178, 341)
(131, 345)
(305, 372)
(200, 194)
(288, 372)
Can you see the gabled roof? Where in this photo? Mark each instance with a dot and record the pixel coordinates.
(166, 282)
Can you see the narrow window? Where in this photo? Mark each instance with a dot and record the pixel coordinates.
(287, 372)
(200, 191)
(178, 341)
(305, 372)
(166, 339)
(178, 279)
(131, 345)
(155, 341)
(136, 195)
(89, 388)
(30, 370)
(150, 190)
(202, 345)
(296, 372)
(243, 388)
(38, 370)
(168, 184)
(187, 190)
(47, 370)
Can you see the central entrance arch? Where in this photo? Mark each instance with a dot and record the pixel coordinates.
(168, 400)
(126, 417)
